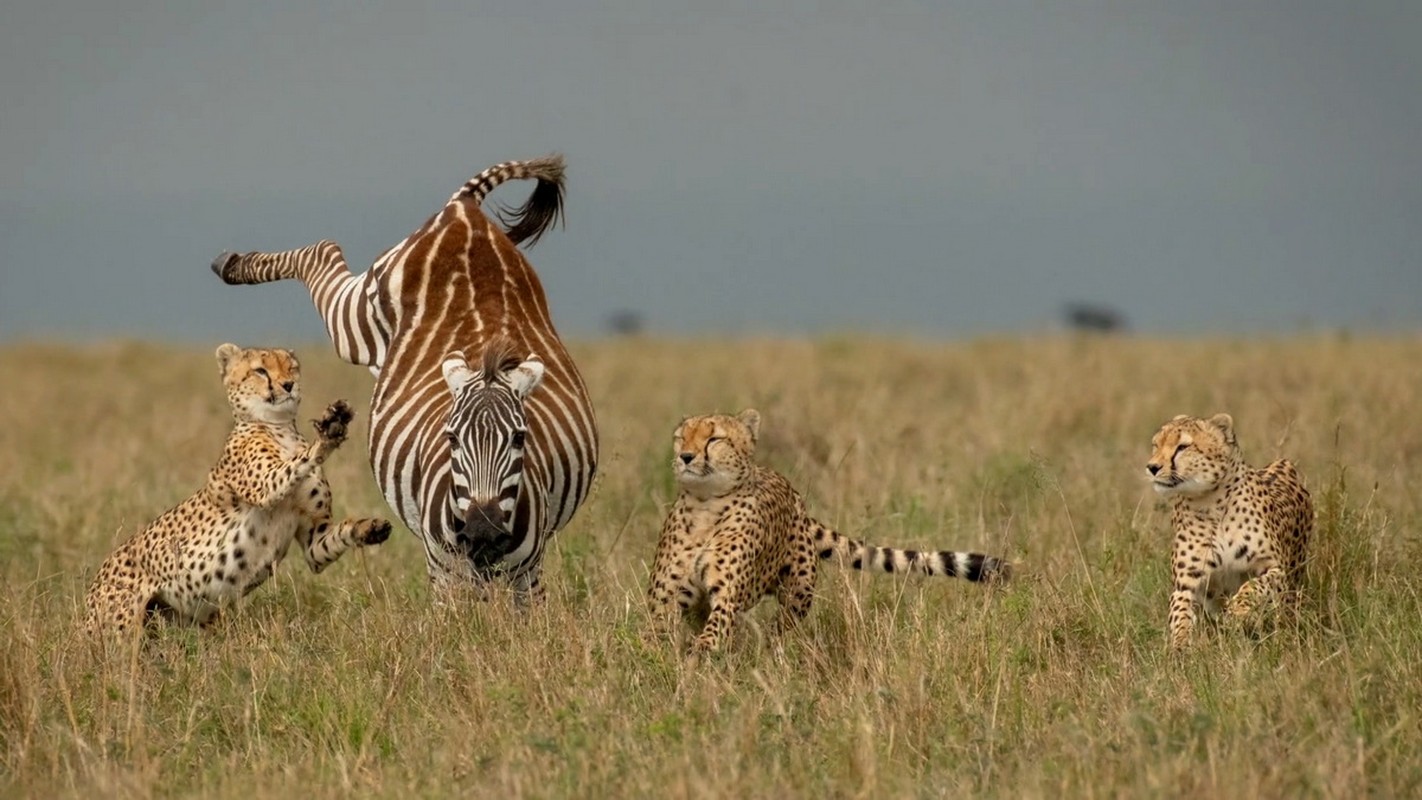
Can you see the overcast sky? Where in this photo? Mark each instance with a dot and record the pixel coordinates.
(930, 168)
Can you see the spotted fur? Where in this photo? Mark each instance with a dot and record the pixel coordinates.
(1241, 534)
(739, 532)
(226, 539)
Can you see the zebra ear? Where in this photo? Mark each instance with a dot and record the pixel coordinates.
(456, 372)
(225, 354)
(751, 419)
(526, 376)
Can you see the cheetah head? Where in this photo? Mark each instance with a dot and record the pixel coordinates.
(263, 384)
(713, 453)
(486, 430)
(1190, 455)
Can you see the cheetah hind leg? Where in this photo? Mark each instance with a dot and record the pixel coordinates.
(119, 612)
(794, 599)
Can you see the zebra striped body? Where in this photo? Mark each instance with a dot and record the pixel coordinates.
(457, 286)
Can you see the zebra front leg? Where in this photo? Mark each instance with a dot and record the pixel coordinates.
(527, 589)
(342, 299)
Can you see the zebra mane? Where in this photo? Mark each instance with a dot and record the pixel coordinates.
(500, 355)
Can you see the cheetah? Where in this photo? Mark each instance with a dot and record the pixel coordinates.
(228, 537)
(1240, 534)
(739, 532)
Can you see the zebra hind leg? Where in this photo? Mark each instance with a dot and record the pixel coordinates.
(323, 260)
(247, 268)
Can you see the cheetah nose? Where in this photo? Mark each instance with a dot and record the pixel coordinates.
(1153, 468)
(687, 458)
(287, 385)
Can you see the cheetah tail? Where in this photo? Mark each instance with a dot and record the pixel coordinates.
(974, 567)
(544, 207)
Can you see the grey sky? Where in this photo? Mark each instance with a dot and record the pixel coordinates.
(890, 166)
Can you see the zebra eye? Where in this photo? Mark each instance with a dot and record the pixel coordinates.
(518, 437)
(453, 439)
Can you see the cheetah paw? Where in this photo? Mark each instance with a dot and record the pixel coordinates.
(331, 427)
(376, 531)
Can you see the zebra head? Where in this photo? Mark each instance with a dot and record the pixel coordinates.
(486, 430)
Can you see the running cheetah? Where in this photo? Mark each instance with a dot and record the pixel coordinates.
(225, 540)
(739, 532)
(1241, 534)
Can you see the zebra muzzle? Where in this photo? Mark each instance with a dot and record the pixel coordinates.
(484, 536)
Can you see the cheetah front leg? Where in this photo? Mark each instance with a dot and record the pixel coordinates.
(323, 542)
(265, 488)
(1193, 563)
(728, 589)
(670, 596)
(726, 605)
(1272, 584)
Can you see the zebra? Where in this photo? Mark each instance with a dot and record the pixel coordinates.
(482, 435)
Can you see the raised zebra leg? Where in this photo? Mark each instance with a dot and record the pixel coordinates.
(344, 300)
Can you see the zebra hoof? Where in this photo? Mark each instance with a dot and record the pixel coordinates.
(222, 262)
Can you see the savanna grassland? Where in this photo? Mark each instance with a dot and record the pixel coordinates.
(352, 683)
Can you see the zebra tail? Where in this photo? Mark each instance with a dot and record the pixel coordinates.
(975, 567)
(544, 207)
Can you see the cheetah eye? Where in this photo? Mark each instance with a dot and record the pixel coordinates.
(261, 371)
(714, 439)
(1180, 447)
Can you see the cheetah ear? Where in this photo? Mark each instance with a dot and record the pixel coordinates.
(225, 354)
(1180, 418)
(456, 372)
(1226, 425)
(751, 419)
(526, 376)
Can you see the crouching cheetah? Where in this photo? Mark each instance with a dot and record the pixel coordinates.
(1240, 534)
(739, 532)
(225, 540)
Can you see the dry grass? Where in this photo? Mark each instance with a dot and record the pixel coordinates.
(1056, 685)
